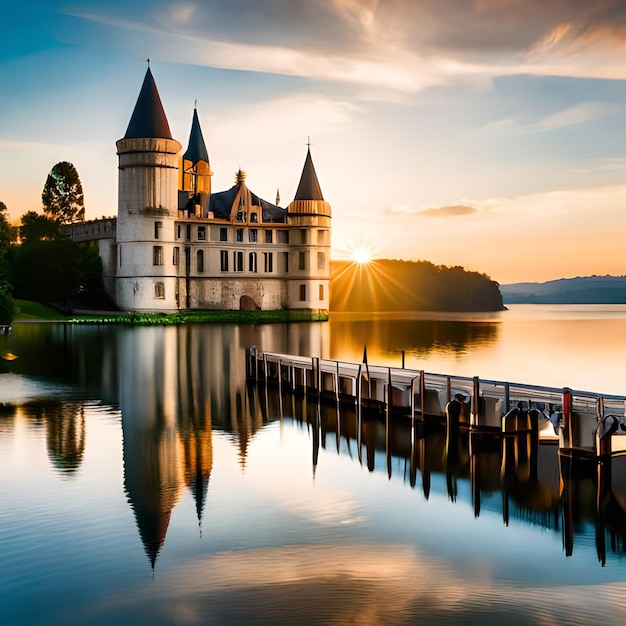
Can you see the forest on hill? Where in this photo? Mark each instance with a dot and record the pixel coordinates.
(579, 290)
(391, 285)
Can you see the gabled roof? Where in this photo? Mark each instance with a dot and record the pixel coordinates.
(221, 204)
(309, 187)
(196, 149)
(148, 119)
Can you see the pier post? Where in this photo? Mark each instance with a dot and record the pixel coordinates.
(567, 416)
(422, 394)
(402, 359)
(475, 401)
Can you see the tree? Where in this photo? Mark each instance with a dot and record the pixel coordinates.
(38, 227)
(7, 306)
(7, 237)
(62, 195)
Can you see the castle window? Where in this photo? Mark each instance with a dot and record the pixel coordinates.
(188, 232)
(302, 293)
(159, 290)
(201, 233)
(241, 216)
(252, 235)
(286, 262)
(239, 234)
(223, 234)
(254, 217)
(252, 262)
(157, 255)
(176, 256)
(282, 236)
(224, 260)
(158, 226)
(321, 261)
(321, 293)
(303, 236)
(268, 262)
(200, 261)
(302, 261)
(321, 237)
(268, 236)
(179, 231)
(238, 261)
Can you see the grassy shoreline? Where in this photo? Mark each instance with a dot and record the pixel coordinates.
(32, 311)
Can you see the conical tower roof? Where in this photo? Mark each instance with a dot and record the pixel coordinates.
(196, 149)
(148, 119)
(309, 187)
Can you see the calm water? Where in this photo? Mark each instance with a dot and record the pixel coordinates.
(142, 481)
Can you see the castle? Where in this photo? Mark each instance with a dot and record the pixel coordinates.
(178, 245)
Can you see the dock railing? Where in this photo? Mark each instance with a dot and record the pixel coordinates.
(578, 420)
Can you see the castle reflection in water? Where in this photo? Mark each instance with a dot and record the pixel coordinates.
(168, 413)
(175, 385)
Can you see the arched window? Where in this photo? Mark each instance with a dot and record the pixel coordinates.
(200, 261)
(159, 290)
(321, 261)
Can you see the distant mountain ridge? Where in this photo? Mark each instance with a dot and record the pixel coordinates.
(579, 290)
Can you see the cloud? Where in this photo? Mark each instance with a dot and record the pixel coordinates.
(569, 116)
(448, 211)
(454, 210)
(402, 45)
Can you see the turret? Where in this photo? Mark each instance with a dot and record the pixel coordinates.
(310, 216)
(195, 172)
(147, 207)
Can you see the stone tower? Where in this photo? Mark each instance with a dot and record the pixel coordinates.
(309, 216)
(147, 254)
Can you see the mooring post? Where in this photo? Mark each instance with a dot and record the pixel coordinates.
(422, 394)
(475, 401)
(337, 384)
(603, 443)
(402, 359)
(567, 415)
(389, 393)
(507, 398)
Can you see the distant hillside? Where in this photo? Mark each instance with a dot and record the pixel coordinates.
(587, 290)
(385, 285)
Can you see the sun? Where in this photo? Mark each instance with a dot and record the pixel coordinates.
(361, 255)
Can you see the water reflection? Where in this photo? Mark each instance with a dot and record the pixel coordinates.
(387, 337)
(176, 385)
(516, 476)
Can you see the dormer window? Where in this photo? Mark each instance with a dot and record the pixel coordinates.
(241, 216)
(254, 217)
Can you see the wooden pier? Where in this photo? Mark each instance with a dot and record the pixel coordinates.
(585, 424)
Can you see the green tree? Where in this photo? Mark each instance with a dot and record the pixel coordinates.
(51, 268)
(7, 306)
(38, 227)
(62, 195)
(8, 234)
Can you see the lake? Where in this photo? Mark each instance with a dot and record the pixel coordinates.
(142, 481)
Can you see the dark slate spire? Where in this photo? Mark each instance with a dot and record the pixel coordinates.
(196, 149)
(309, 187)
(148, 119)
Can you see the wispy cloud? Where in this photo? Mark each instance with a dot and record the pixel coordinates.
(403, 45)
(455, 210)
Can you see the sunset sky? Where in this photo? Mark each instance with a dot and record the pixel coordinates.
(484, 133)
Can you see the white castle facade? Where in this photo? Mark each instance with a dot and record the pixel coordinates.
(177, 245)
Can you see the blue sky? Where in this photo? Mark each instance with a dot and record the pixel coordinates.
(484, 133)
